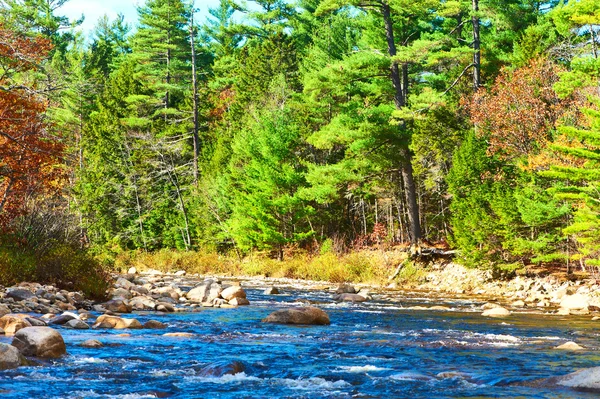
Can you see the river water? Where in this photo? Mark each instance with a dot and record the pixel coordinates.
(378, 349)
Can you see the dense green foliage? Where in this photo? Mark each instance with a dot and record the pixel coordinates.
(275, 126)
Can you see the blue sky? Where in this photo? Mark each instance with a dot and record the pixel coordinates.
(94, 9)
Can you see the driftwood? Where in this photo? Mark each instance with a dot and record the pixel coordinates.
(418, 253)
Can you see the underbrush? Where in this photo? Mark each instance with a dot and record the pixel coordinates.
(61, 265)
(365, 266)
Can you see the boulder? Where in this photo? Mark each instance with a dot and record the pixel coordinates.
(205, 292)
(118, 306)
(118, 323)
(219, 369)
(91, 343)
(496, 312)
(62, 319)
(574, 302)
(164, 307)
(585, 380)
(570, 346)
(120, 293)
(77, 324)
(154, 324)
(235, 291)
(10, 357)
(299, 315)
(42, 342)
(345, 289)
(12, 323)
(271, 291)
(239, 302)
(123, 283)
(4, 310)
(132, 270)
(143, 303)
(350, 298)
(20, 294)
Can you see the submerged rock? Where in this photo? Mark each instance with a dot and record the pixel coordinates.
(219, 369)
(154, 324)
(299, 315)
(91, 343)
(10, 357)
(40, 342)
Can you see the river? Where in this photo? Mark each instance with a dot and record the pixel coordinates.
(377, 349)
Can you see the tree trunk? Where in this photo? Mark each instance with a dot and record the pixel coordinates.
(400, 83)
(476, 47)
(195, 102)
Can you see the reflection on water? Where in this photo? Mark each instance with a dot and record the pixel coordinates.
(378, 349)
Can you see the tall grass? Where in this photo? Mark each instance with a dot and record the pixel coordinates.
(365, 266)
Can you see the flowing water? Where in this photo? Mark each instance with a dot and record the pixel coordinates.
(378, 349)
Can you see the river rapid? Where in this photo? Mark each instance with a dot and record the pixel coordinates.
(375, 349)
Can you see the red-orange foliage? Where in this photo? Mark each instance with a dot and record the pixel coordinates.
(28, 154)
(520, 110)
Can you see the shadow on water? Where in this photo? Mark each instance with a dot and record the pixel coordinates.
(378, 349)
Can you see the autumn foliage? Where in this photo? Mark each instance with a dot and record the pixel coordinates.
(29, 155)
(520, 110)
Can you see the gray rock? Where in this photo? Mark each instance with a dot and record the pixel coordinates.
(299, 315)
(350, 298)
(10, 357)
(205, 292)
(77, 324)
(20, 294)
(345, 289)
(62, 319)
(118, 306)
(42, 342)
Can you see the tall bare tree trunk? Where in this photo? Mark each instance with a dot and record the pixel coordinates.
(400, 84)
(195, 104)
(476, 46)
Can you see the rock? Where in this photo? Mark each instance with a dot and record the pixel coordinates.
(42, 342)
(154, 324)
(496, 312)
(570, 346)
(143, 303)
(165, 307)
(563, 312)
(121, 293)
(10, 357)
(345, 289)
(35, 322)
(123, 283)
(77, 324)
(219, 369)
(233, 292)
(217, 302)
(11, 323)
(91, 343)
(20, 294)
(574, 302)
(584, 380)
(299, 315)
(350, 298)
(132, 270)
(490, 305)
(440, 307)
(4, 310)
(118, 323)
(205, 292)
(271, 291)
(239, 302)
(179, 334)
(62, 319)
(180, 273)
(118, 306)
(518, 304)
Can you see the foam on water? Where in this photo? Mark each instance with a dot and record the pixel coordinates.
(361, 369)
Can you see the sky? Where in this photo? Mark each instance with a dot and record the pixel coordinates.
(94, 9)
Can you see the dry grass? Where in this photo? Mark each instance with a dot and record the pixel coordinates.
(365, 266)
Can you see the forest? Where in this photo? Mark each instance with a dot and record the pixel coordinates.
(276, 127)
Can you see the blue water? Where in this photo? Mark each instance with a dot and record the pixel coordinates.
(377, 349)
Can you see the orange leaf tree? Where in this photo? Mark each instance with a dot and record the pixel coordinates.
(29, 155)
